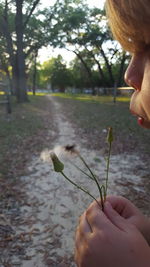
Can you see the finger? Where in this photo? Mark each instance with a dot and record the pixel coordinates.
(114, 217)
(97, 218)
(83, 230)
(76, 255)
(118, 203)
(82, 234)
(84, 225)
(123, 206)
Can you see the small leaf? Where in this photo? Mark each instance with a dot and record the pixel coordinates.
(58, 165)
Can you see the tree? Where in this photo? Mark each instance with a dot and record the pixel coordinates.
(82, 73)
(78, 28)
(33, 73)
(68, 24)
(4, 64)
(55, 73)
(21, 29)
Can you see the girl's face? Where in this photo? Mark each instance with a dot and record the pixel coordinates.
(138, 76)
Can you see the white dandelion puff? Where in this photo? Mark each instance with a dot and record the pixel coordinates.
(45, 155)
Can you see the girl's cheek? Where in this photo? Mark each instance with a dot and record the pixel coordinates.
(146, 105)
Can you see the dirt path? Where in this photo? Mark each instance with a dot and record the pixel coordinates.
(43, 232)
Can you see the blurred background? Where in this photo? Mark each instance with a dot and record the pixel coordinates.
(61, 83)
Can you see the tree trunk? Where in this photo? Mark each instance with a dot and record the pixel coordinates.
(121, 70)
(107, 65)
(21, 88)
(88, 70)
(10, 81)
(34, 75)
(9, 45)
(62, 89)
(101, 73)
(114, 92)
(4, 67)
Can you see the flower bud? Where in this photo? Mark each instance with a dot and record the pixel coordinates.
(110, 135)
(58, 165)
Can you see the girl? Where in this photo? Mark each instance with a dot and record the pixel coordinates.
(120, 236)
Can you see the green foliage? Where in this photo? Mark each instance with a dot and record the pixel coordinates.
(55, 73)
(84, 31)
(68, 24)
(79, 75)
(21, 26)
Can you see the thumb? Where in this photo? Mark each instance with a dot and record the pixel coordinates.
(115, 217)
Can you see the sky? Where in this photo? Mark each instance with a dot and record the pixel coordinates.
(91, 3)
(46, 53)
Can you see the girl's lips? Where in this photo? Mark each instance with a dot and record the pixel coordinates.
(141, 121)
(144, 123)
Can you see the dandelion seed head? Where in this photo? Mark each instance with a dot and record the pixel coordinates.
(104, 131)
(66, 151)
(62, 152)
(59, 151)
(72, 149)
(45, 155)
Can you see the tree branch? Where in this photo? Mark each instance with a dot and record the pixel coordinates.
(31, 12)
(102, 76)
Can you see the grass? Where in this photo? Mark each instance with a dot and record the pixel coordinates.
(92, 115)
(25, 131)
(91, 98)
(22, 133)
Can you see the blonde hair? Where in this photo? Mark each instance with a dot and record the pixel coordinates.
(129, 21)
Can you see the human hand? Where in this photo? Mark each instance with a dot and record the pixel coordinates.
(131, 214)
(105, 239)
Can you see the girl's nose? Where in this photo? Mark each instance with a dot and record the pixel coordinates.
(134, 73)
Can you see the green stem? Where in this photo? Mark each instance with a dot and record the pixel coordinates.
(78, 168)
(107, 169)
(101, 197)
(81, 188)
(95, 179)
(103, 189)
(84, 162)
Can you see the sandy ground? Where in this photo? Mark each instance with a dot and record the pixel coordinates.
(44, 232)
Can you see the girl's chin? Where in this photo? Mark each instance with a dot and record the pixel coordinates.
(144, 123)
